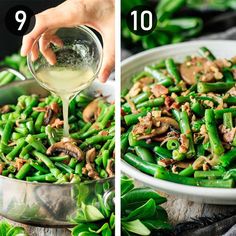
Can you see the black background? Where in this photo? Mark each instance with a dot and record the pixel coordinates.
(10, 43)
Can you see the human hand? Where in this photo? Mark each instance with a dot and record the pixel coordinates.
(96, 14)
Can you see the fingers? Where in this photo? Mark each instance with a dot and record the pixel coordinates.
(29, 39)
(108, 63)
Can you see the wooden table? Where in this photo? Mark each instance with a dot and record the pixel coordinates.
(179, 210)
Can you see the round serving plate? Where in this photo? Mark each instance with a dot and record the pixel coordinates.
(134, 64)
(46, 204)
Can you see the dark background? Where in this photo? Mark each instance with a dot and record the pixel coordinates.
(10, 43)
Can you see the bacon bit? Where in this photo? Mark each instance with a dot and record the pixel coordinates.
(5, 109)
(184, 144)
(168, 102)
(109, 168)
(222, 63)
(232, 91)
(122, 112)
(186, 107)
(228, 134)
(166, 162)
(156, 114)
(135, 89)
(19, 163)
(132, 105)
(209, 103)
(234, 73)
(145, 123)
(56, 123)
(55, 107)
(104, 133)
(146, 81)
(159, 90)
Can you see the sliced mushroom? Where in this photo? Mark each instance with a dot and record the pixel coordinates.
(167, 120)
(190, 69)
(91, 110)
(48, 116)
(68, 148)
(110, 168)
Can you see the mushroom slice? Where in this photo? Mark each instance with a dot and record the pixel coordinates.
(91, 110)
(189, 69)
(169, 121)
(68, 148)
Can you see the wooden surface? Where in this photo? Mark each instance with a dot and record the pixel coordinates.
(179, 210)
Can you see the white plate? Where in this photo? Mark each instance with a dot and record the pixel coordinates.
(221, 49)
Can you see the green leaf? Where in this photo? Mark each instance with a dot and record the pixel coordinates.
(92, 213)
(17, 231)
(146, 210)
(141, 195)
(155, 224)
(126, 185)
(83, 227)
(136, 227)
(112, 221)
(4, 228)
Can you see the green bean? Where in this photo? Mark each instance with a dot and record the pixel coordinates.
(144, 153)
(7, 132)
(138, 163)
(9, 77)
(16, 150)
(208, 174)
(59, 158)
(16, 136)
(228, 120)
(36, 144)
(41, 178)
(25, 150)
(178, 156)
(133, 118)
(142, 97)
(64, 167)
(29, 108)
(160, 77)
(151, 103)
(39, 121)
(172, 69)
(72, 163)
(205, 52)
(23, 171)
(107, 116)
(218, 87)
(219, 113)
(162, 152)
(172, 144)
(216, 145)
(228, 158)
(230, 101)
(198, 109)
(38, 167)
(140, 75)
(186, 130)
(189, 171)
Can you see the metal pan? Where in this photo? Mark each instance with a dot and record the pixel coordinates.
(43, 204)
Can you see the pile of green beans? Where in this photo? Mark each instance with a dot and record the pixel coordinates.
(198, 151)
(14, 61)
(25, 139)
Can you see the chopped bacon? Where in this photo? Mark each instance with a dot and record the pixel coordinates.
(56, 123)
(166, 162)
(19, 163)
(228, 134)
(159, 90)
(232, 91)
(5, 109)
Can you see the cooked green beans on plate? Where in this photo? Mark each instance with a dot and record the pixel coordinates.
(178, 120)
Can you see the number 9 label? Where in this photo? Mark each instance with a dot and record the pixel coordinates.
(141, 20)
(20, 20)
